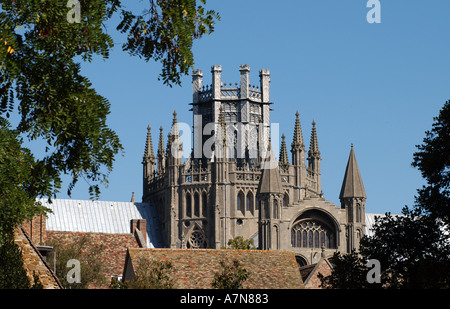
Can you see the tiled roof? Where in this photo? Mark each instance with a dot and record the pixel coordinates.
(113, 253)
(102, 217)
(195, 268)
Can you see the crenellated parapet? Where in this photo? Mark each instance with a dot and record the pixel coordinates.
(218, 90)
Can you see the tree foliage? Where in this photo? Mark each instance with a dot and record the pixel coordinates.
(12, 273)
(20, 179)
(41, 53)
(230, 276)
(40, 73)
(433, 160)
(413, 248)
(240, 243)
(87, 252)
(349, 272)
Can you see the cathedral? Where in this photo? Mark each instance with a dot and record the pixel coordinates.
(232, 185)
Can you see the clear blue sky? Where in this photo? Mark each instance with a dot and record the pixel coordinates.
(375, 85)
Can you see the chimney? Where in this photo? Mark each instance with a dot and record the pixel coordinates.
(139, 229)
(36, 229)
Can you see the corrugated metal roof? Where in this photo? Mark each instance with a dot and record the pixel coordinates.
(370, 221)
(102, 217)
(114, 217)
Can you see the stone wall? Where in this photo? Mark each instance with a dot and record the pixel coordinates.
(34, 263)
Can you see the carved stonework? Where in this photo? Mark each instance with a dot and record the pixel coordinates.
(276, 201)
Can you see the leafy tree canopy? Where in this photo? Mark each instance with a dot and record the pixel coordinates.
(41, 50)
(433, 161)
(413, 248)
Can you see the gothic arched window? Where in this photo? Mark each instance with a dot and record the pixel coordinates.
(188, 205)
(286, 199)
(312, 234)
(249, 202)
(204, 204)
(275, 209)
(240, 201)
(358, 212)
(196, 205)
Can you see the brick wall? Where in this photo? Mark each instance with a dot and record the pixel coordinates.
(36, 229)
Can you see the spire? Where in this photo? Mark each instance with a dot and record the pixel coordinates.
(297, 142)
(161, 142)
(314, 145)
(176, 147)
(161, 155)
(133, 199)
(284, 161)
(175, 130)
(352, 186)
(148, 152)
(270, 182)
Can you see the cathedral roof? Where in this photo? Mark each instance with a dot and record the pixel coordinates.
(352, 186)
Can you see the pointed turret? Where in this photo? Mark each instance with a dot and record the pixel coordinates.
(283, 161)
(314, 144)
(298, 156)
(168, 147)
(314, 159)
(353, 200)
(270, 190)
(160, 156)
(270, 182)
(175, 130)
(175, 150)
(148, 160)
(297, 143)
(352, 186)
(148, 152)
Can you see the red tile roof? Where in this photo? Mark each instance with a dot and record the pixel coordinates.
(113, 255)
(194, 269)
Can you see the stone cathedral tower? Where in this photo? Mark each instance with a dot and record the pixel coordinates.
(233, 186)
